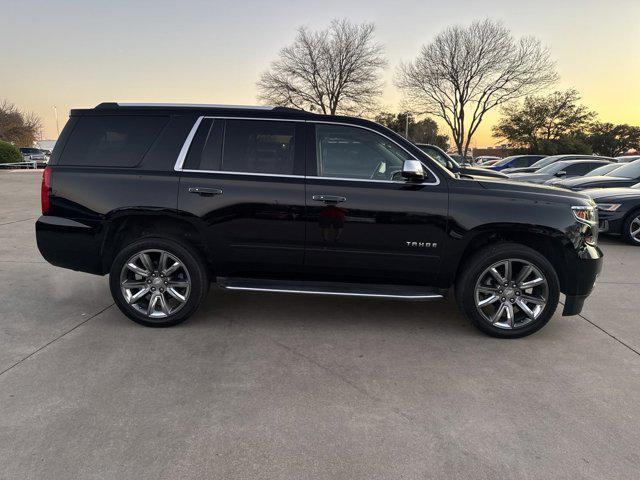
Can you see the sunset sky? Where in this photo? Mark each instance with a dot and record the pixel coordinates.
(80, 53)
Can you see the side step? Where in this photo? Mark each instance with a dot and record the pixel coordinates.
(398, 292)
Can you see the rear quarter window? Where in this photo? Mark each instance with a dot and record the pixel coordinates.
(111, 140)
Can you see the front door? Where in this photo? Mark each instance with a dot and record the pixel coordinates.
(365, 223)
(243, 182)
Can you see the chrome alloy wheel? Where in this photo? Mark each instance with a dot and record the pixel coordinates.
(155, 283)
(634, 229)
(511, 293)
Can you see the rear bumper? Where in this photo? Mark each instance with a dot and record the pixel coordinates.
(69, 244)
(582, 272)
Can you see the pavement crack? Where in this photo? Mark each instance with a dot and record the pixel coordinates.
(18, 221)
(609, 334)
(39, 349)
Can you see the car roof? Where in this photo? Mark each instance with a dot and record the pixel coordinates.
(188, 108)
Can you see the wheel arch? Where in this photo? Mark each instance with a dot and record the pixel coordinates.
(124, 227)
(547, 242)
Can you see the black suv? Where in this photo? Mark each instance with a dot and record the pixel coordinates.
(169, 198)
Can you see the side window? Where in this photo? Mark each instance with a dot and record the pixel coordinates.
(356, 153)
(111, 140)
(521, 162)
(256, 146)
(205, 151)
(590, 166)
(578, 168)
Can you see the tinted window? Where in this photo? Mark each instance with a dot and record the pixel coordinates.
(436, 155)
(578, 168)
(351, 152)
(205, 151)
(521, 162)
(255, 146)
(111, 141)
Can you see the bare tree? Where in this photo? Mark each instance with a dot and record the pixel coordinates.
(336, 70)
(16, 127)
(467, 71)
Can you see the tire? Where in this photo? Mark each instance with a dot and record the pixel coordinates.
(477, 284)
(189, 280)
(632, 222)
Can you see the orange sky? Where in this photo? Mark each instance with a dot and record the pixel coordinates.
(78, 54)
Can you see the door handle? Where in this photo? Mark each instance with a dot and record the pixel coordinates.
(329, 198)
(205, 192)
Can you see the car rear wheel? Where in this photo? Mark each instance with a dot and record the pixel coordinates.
(158, 282)
(631, 228)
(508, 290)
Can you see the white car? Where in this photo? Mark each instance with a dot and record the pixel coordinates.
(34, 155)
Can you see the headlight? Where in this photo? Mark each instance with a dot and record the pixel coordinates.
(587, 215)
(608, 207)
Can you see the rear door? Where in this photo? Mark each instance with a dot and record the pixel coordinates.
(365, 223)
(242, 182)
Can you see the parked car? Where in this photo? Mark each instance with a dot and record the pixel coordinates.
(627, 158)
(462, 160)
(488, 163)
(606, 168)
(628, 174)
(33, 155)
(552, 159)
(619, 210)
(167, 199)
(563, 169)
(446, 161)
(516, 161)
(486, 158)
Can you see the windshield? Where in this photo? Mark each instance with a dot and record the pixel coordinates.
(553, 168)
(603, 170)
(438, 156)
(628, 170)
(546, 161)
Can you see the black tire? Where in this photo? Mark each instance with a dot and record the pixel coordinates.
(626, 228)
(193, 264)
(488, 256)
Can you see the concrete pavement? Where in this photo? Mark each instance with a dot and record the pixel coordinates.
(281, 386)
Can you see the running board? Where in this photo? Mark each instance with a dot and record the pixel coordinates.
(398, 292)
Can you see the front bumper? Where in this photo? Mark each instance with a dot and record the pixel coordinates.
(611, 222)
(582, 271)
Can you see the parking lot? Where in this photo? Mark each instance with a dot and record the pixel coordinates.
(279, 386)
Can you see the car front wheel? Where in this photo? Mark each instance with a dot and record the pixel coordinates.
(508, 290)
(631, 228)
(158, 282)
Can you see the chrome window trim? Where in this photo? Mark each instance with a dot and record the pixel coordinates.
(185, 146)
(189, 139)
(224, 172)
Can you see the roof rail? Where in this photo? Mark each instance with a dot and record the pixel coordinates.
(182, 105)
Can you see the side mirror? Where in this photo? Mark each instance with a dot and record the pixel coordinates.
(561, 173)
(412, 170)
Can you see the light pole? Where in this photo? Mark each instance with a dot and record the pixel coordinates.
(55, 111)
(406, 125)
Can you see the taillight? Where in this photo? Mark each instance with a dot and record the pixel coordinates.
(45, 190)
